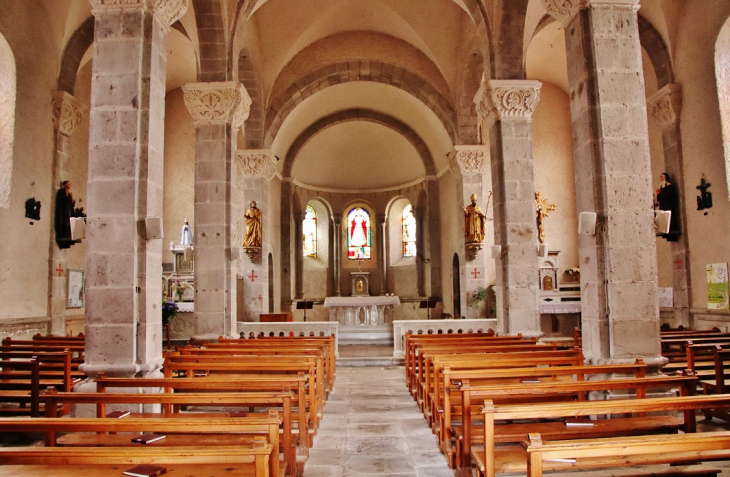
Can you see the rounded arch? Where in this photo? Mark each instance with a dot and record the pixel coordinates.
(73, 53)
(359, 115)
(655, 46)
(254, 125)
(471, 80)
(509, 58)
(214, 59)
(8, 82)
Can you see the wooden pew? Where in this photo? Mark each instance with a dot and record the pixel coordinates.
(39, 337)
(719, 382)
(23, 389)
(76, 349)
(454, 380)
(55, 368)
(561, 391)
(241, 365)
(248, 460)
(245, 383)
(171, 403)
(489, 461)
(623, 451)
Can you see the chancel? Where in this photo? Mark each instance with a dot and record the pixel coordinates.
(268, 187)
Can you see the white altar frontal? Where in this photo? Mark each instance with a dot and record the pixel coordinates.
(362, 310)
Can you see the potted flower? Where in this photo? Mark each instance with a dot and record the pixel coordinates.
(178, 288)
(477, 298)
(169, 312)
(573, 273)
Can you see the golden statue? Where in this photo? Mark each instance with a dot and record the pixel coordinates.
(474, 222)
(253, 227)
(542, 209)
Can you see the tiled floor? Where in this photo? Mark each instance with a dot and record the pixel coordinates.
(368, 430)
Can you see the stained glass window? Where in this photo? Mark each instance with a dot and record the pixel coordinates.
(309, 232)
(409, 232)
(358, 234)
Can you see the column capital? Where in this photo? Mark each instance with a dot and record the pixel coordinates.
(337, 219)
(256, 163)
(67, 112)
(468, 159)
(666, 104)
(564, 10)
(381, 218)
(167, 11)
(217, 102)
(507, 99)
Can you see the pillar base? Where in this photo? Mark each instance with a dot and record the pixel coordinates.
(121, 370)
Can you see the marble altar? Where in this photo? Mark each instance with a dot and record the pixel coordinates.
(362, 310)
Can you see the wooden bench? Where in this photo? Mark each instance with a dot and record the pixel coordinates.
(718, 382)
(55, 368)
(255, 382)
(248, 460)
(624, 451)
(467, 434)
(267, 424)
(79, 338)
(490, 460)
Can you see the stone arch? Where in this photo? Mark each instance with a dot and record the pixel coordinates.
(509, 57)
(8, 82)
(214, 64)
(471, 79)
(359, 115)
(722, 76)
(248, 76)
(78, 44)
(344, 72)
(655, 46)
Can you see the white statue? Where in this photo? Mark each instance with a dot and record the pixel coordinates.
(186, 235)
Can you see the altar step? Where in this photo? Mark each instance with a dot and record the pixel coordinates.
(366, 334)
(367, 355)
(370, 362)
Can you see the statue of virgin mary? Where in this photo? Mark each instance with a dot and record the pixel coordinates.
(186, 235)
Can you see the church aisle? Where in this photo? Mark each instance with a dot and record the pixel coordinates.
(372, 426)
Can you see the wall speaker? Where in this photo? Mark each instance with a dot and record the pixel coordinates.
(587, 223)
(234, 253)
(662, 221)
(78, 228)
(542, 250)
(496, 251)
(153, 227)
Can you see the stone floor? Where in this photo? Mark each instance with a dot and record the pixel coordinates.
(368, 430)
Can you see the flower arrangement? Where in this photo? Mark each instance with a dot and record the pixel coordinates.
(178, 288)
(572, 271)
(477, 297)
(169, 311)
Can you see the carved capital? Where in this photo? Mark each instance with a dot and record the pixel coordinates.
(67, 112)
(256, 163)
(564, 10)
(222, 102)
(468, 159)
(666, 104)
(167, 11)
(514, 99)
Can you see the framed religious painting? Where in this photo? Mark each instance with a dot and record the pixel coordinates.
(75, 289)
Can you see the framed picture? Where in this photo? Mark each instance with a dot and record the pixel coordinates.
(75, 289)
(718, 297)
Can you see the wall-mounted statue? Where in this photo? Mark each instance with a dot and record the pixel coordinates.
(542, 210)
(64, 211)
(253, 227)
(667, 198)
(475, 222)
(186, 235)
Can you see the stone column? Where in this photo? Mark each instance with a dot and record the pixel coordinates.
(506, 108)
(421, 248)
(382, 250)
(665, 107)
(126, 139)
(469, 164)
(254, 170)
(620, 312)
(432, 240)
(299, 254)
(286, 252)
(337, 234)
(219, 110)
(67, 115)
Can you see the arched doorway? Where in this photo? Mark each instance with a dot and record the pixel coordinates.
(456, 286)
(270, 276)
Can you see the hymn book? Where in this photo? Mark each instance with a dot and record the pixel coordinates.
(145, 470)
(148, 438)
(118, 414)
(579, 422)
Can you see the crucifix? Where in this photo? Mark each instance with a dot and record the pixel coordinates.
(59, 270)
(253, 276)
(542, 209)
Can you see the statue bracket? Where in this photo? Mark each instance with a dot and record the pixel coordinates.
(252, 252)
(473, 249)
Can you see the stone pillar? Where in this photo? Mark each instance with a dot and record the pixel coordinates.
(254, 170)
(126, 139)
(219, 110)
(432, 219)
(286, 252)
(665, 107)
(299, 254)
(469, 164)
(337, 234)
(620, 312)
(421, 250)
(67, 115)
(383, 252)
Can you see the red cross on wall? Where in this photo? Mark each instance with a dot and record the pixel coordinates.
(678, 262)
(476, 273)
(253, 276)
(59, 269)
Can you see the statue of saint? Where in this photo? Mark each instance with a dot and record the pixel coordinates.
(474, 222)
(186, 235)
(667, 198)
(542, 209)
(64, 211)
(253, 227)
